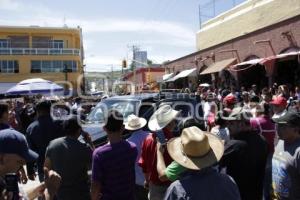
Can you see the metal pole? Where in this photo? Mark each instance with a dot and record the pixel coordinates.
(214, 7)
(149, 74)
(65, 70)
(134, 76)
(200, 20)
(111, 76)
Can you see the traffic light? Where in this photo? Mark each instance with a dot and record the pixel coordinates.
(148, 78)
(124, 63)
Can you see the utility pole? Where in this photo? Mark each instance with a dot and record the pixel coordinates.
(200, 18)
(112, 76)
(134, 48)
(65, 70)
(214, 7)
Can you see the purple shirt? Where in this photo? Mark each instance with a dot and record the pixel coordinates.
(266, 128)
(113, 168)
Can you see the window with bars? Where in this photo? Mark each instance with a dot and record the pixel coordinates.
(57, 44)
(39, 66)
(4, 43)
(41, 42)
(9, 66)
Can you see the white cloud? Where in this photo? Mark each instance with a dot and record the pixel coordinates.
(9, 5)
(132, 25)
(154, 35)
(164, 28)
(171, 41)
(102, 60)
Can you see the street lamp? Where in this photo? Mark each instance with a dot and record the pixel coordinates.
(65, 71)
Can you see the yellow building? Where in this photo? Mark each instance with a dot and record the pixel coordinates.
(54, 54)
(246, 18)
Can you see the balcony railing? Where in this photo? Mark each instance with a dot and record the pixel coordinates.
(38, 51)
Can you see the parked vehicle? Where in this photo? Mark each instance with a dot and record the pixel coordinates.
(142, 105)
(189, 105)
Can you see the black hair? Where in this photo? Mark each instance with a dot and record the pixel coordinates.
(220, 117)
(71, 126)
(3, 109)
(266, 108)
(225, 92)
(43, 106)
(254, 98)
(114, 121)
(189, 122)
(77, 100)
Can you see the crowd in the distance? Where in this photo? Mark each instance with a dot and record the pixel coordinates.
(246, 147)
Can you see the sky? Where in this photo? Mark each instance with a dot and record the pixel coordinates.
(166, 29)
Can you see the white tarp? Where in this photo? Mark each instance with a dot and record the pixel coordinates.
(5, 86)
(184, 73)
(250, 62)
(34, 86)
(167, 76)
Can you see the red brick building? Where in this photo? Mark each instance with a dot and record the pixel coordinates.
(265, 33)
(145, 76)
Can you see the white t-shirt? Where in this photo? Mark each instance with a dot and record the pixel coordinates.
(275, 116)
(222, 133)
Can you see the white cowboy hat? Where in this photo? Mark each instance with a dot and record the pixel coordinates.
(162, 117)
(204, 85)
(135, 123)
(195, 149)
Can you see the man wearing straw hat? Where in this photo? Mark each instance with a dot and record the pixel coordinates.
(199, 151)
(161, 123)
(245, 155)
(135, 125)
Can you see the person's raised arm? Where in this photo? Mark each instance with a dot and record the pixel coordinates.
(47, 163)
(95, 190)
(161, 166)
(48, 188)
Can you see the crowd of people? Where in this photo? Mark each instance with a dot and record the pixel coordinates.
(247, 146)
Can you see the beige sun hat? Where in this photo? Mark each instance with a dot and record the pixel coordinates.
(196, 149)
(162, 117)
(134, 122)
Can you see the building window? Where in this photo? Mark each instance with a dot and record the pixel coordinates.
(57, 66)
(38, 66)
(41, 42)
(19, 41)
(46, 66)
(9, 66)
(71, 66)
(4, 43)
(58, 44)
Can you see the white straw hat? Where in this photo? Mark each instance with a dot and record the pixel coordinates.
(162, 117)
(135, 123)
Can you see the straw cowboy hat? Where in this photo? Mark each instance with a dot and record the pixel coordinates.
(162, 117)
(135, 123)
(196, 149)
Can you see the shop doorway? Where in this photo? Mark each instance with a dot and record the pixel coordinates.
(287, 70)
(253, 75)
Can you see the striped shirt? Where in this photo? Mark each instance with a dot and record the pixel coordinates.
(113, 168)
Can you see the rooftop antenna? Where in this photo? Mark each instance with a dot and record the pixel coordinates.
(64, 22)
